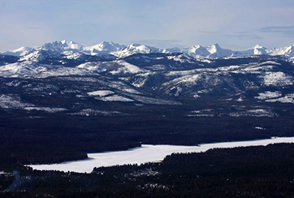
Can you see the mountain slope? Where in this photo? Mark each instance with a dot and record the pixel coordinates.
(143, 75)
(59, 96)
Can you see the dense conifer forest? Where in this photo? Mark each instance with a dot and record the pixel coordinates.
(238, 172)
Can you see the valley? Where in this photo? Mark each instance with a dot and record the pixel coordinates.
(61, 101)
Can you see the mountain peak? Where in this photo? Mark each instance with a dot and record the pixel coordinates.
(64, 41)
(63, 45)
(259, 46)
(216, 51)
(104, 47)
(259, 50)
(141, 47)
(214, 48)
(216, 45)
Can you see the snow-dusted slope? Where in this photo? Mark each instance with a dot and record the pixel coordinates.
(25, 68)
(113, 67)
(135, 49)
(104, 47)
(22, 51)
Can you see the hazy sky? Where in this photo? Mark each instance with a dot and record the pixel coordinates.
(234, 24)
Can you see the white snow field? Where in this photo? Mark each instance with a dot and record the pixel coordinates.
(148, 153)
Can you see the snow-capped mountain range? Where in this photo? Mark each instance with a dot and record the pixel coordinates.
(71, 48)
(81, 78)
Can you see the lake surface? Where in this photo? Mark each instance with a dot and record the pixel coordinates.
(148, 153)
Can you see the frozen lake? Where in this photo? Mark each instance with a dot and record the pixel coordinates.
(148, 153)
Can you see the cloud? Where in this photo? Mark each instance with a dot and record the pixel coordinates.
(3, 4)
(238, 35)
(159, 23)
(33, 28)
(246, 36)
(15, 33)
(286, 30)
(160, 43)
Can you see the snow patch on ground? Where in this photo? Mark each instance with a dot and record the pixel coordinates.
(148, 100)
(126, 68)
(254, 113)
(259, 128)
(202, 113)
(13, 83)
(129, 90)
(115, 98)
(47, 109)
(12, 101)
(268, 95)
(289, 98)
(94, 112)
(257, 69)
(157, 67)
(140, 79)
(277, 79)
(19, 69)
(188, 80)
(81, 79)
(64, 71)
(270, 63)
(100, 93)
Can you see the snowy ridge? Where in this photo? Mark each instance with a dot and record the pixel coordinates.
(256, 50)
(120, 51)
(62, 46)
(22, 51)
(135, 49)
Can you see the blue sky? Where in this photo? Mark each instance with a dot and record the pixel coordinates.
(234, 24)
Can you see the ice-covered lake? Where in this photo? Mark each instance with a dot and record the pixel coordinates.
(148, 153)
